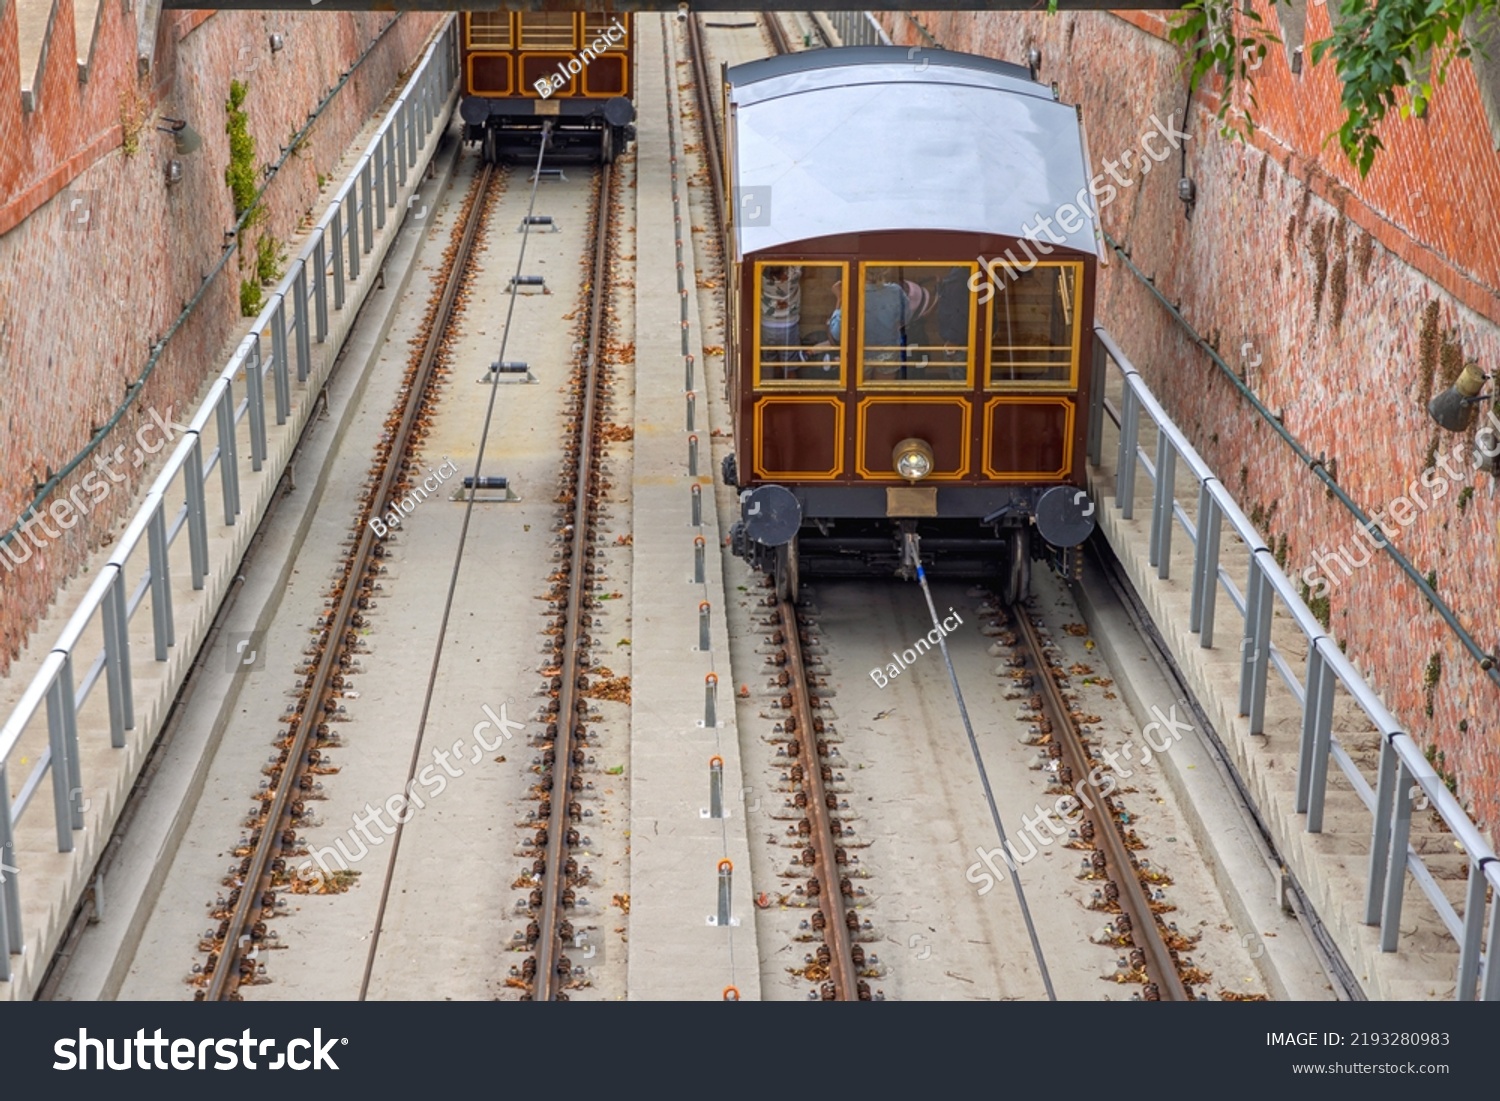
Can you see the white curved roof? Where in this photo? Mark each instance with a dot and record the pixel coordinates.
(882, 138)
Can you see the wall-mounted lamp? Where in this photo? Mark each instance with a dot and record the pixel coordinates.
(1297, 60)
(1454, 407)
(187, 139)
(277, 43)
(174, 172)
(1034, 61)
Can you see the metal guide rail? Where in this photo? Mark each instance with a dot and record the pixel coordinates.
(229, 433)
(1403, 770)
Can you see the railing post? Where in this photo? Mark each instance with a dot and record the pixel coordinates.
(352, 198)
(1200, 558)
(402, 157)
(11, 940)
(161, 582)
(366, 205)
(1380, 836)
(1317, 736)
(229, 466)
(1096, 403)
(1130, 418)
(392, 188)
(1395, 880)
(255, 390)
(377, 181)
(193, 483)
(1163, 500)
(1255, 649)
(336, 228)
(62, 739)
(1469, 945)
(409, 112)
(1491, 991)
(117, 659)
(320, 285)
(280, 364)
(304, 343)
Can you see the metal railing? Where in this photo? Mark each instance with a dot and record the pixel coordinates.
(857, 28)
(279, 342)
(1402, 765)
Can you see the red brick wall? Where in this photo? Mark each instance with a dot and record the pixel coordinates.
(82, 300)
(1360, 297)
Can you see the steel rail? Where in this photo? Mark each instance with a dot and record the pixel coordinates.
(836, 934)
(777, 32)
(842, 970)
(226, 975)
(1161, 968)
(708, 122)
(549, 949)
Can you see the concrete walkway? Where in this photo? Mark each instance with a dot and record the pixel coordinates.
(675, 853)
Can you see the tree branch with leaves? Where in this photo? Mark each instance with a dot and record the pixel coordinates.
(1391, 54)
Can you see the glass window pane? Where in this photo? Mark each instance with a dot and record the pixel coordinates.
(489, 30)
(547, 30)
(918, 323)
(1032, 323)
(797, 302)
(596, 23)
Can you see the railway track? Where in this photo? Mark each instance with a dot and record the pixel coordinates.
(823, 856)
(263, 873)
(1151, 956)
(1136, 928)
(555, 869)
(811, 771)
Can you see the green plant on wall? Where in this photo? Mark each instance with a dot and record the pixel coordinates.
(240, 173)
(1320, 606)
(1430, 680)
(269, 259)
(250, 297)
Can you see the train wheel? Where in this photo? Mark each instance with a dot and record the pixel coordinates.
(607, 145)
(787, 580)
(1016, 581)
(488, 152)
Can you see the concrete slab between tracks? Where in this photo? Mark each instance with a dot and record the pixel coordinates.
(676, 852)
(1330, 867)
(124, 862)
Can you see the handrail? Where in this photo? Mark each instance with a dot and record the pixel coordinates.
(295, 317)
(1316, 465)
(1402, 764)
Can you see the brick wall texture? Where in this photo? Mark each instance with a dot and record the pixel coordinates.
(98, 255)
(1360, 298)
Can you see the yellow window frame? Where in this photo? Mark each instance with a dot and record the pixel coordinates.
(488, 41)
(763, 383)
(910, 383)
(1072, 305)
(596, 23)
(544, 35)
